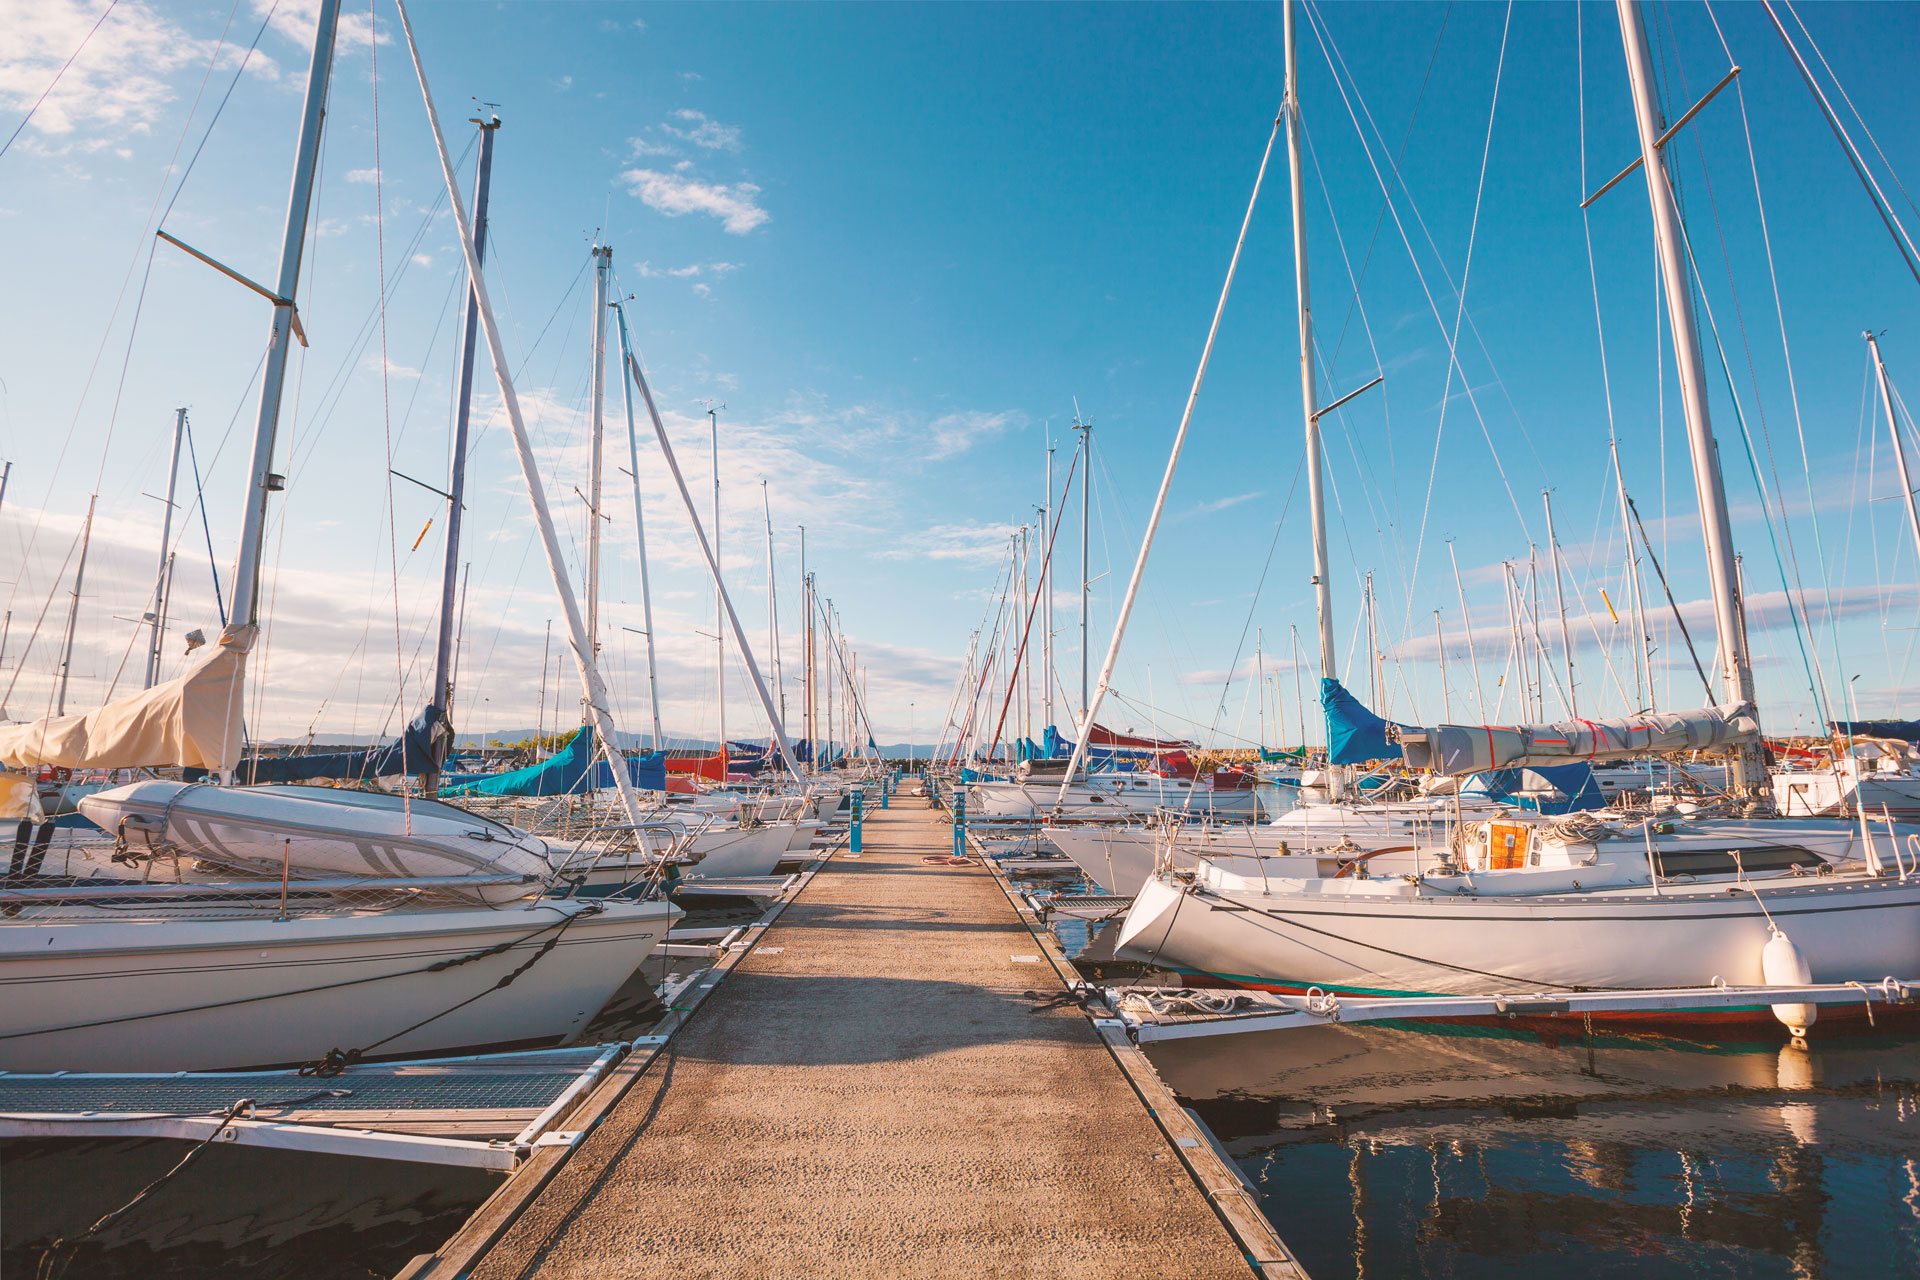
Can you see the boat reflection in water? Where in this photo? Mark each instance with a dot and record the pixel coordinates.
(1394, 1150)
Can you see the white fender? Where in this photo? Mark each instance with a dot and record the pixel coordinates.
(1782, 964)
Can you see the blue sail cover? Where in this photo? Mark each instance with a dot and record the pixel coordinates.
(562, 773)
(570, 770)
(1575, 785)
(411, 752)
(1904, 730)
(1354, 734)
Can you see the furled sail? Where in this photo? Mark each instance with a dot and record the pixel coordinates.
(191, 720)
(1354, 734)
(1458, 748)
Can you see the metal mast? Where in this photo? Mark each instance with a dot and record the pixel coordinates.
(1047, 518)
(1642, 658)
(1086, 510)
(602, 264)
(719, 600)
(73, 611)
(1893, 429)
(442, 692)
(1309, 398)
(1749, 774)
(640, 535)
(261, 479)
(154, 620)
(1560, 602)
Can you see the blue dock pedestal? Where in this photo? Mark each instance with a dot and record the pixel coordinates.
(855, 829)
(959, 823)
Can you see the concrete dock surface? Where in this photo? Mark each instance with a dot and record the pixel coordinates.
(880, 1089)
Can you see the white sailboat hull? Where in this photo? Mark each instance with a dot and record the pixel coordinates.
(159, 994)
(1347, 936)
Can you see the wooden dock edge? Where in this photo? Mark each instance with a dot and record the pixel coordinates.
(480, 1232)
(1225, 1188)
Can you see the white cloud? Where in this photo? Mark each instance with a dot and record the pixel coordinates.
(955, 433)
(693, 270)
(703, 131)
(972, 544)
(363, 175)
(703, 290)
(736, 206)
(563, 84)
(117, 81)
(296, 20)
(422, 259)
(641, 147)
(1221, 504)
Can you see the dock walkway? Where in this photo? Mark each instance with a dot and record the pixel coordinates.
(881, 1088)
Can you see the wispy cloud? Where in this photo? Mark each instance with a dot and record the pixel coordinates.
(955, 433)
(703, 131)
(363, 175)
(1221, 504)
(971, 544)
(737, 206)
(117, 81)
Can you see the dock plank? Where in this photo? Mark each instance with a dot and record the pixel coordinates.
(879, 1090)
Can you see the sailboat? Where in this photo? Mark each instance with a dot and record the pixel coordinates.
(400, 960)
(1523, 902)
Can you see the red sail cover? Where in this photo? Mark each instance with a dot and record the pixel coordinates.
(713, 766)
(1101, 736)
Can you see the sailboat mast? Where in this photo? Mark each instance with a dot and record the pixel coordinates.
(640, 534)
(1748, 774)
(719, 602)
(1636, 609)
(1560, 603)
(154, 622)
(773, 611)
(73, 611)
(1309, 396)
(1047, 518)
(1086, 512)
(1466, 621)
(261, 478)
(602, 264)
(442, 694)
(1893, 430)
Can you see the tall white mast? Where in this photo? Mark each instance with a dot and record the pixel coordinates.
(640, 535)
(1309, 395)
(602, 264)
(1893, 430)
(719, 593)
(1086, 512)
(773, 612)
(1047, 517)
(1560, 602)
(1749, 774)
(1636, 608)
(261, 478)
(1466, 621)
(73, 611)
(445, 647)
(154, 618)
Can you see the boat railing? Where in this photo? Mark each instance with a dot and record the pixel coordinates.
(25, 903)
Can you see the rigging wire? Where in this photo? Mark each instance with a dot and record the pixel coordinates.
(51, 84)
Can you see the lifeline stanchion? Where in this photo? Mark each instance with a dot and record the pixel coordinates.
(855, 841)
(959, 823)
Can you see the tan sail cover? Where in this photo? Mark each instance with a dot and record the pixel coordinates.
(1456, 749)
(191, 720)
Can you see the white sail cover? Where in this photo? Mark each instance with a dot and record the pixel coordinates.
(1455, 749)
(192, 720)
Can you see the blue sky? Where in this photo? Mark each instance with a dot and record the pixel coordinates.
(899, 242)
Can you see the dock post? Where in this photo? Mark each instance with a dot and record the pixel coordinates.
(959, 823)
(885, 791)
(855, 828)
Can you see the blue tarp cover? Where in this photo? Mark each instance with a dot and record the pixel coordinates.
(1905, 730)
(411, 752)
(1577, 786)
(1354, 733)
(564, 772)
